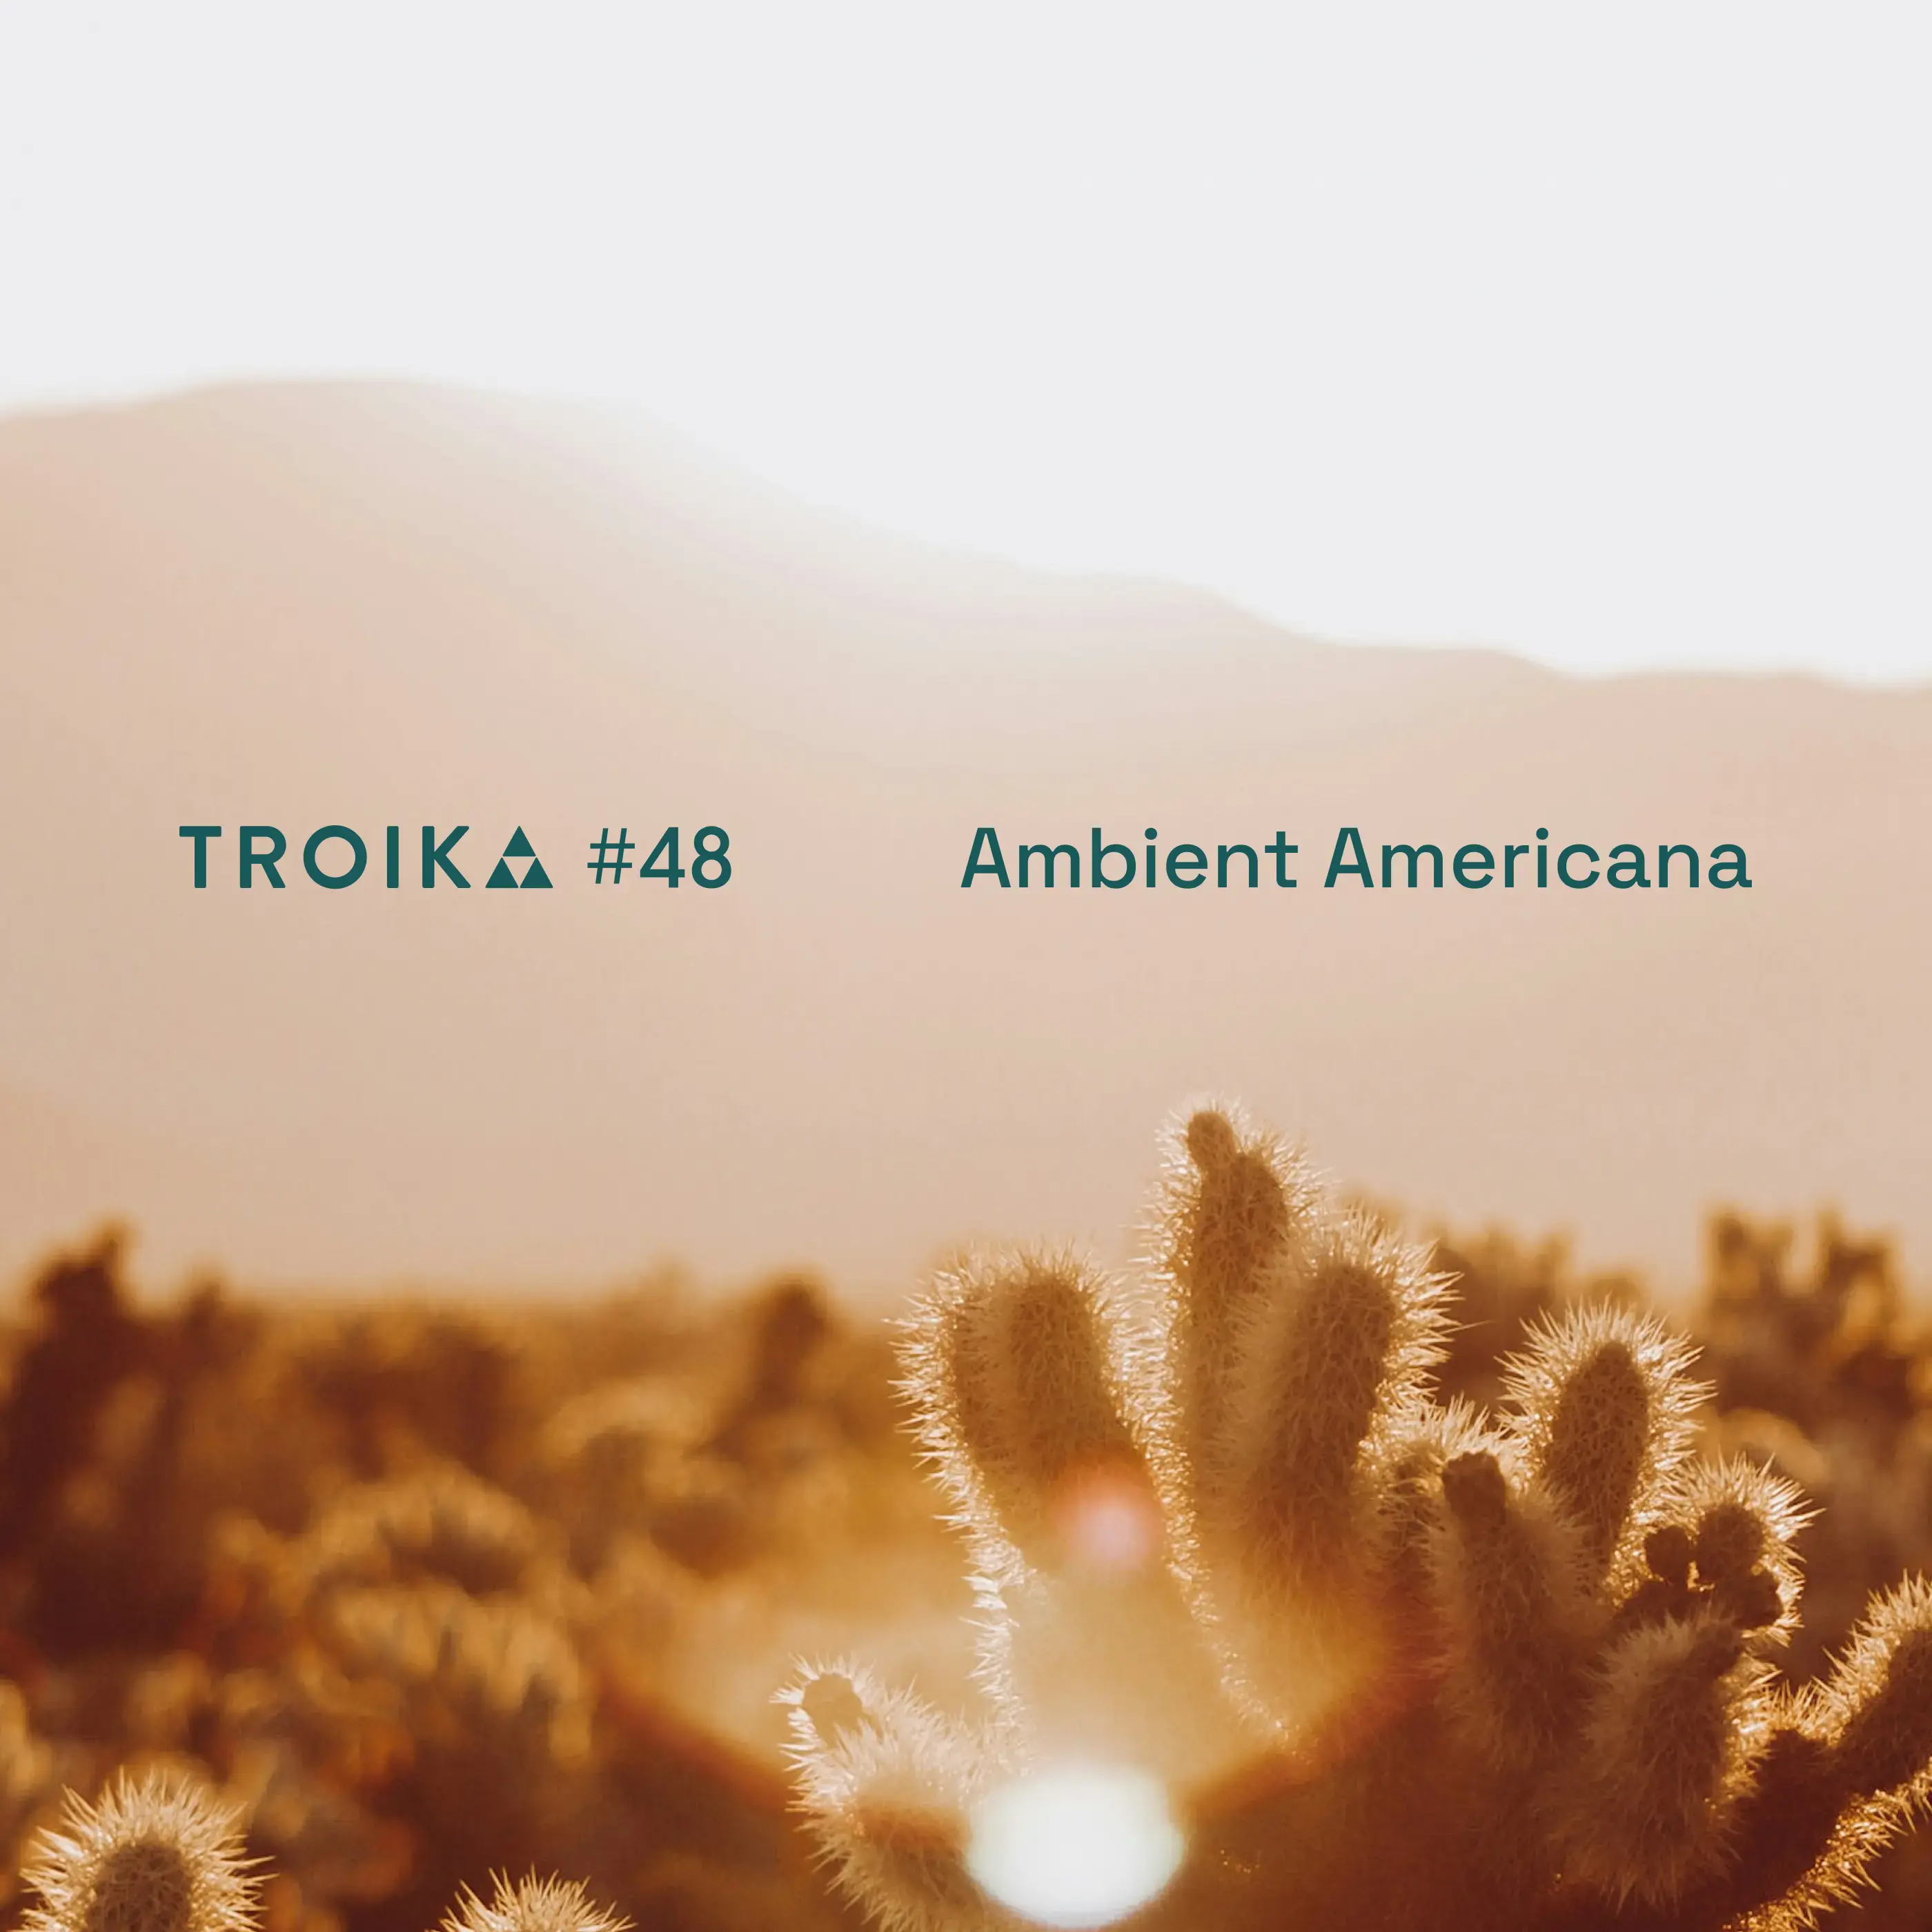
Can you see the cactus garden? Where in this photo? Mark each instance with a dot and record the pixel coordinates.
(1306, 1572)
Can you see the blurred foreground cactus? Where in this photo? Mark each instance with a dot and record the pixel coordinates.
(164, 1855)
(152, 1857)
(1355, 1657)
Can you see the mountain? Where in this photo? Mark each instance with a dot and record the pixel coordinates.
(367, 605)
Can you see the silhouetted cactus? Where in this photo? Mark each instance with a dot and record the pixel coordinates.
(1396, 1664)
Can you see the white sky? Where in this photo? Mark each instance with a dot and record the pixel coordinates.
(1601, 335)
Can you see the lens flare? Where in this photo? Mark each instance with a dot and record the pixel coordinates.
(1109, 1521)
(1075, 1845)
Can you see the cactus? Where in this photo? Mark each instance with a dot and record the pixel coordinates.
(890, 1784)
(160, 1855)
(532, 1905)
(1395, 1664)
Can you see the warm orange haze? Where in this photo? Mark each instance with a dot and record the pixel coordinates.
(334, 605)
(964, 970)
(1197, 1551)
(1304, 1577)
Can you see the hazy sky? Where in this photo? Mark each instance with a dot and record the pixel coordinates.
(1600, 335)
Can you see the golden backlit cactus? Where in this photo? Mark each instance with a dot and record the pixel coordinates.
(1603, 1405)
(160, 1855)
(1863, 1736)
(1018, 1396)
(1727, 1544)
(888, 1783)
(1015, 1367)
(1235, 1211)
(1876, 1707)
(1649, 1794)
(532, 1905)
(1286, 1553)
(1464, 1670)
(1518, 1623)
(1333, 1377)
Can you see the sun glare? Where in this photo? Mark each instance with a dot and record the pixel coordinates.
(1075, 1845)
(1109, 1521)
(1386, 335)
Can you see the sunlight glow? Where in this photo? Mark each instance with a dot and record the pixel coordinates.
(1075, 1845)
(1109, 1521)
(1592, 336)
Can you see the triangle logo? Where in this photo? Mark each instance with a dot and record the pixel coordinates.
(503, 880)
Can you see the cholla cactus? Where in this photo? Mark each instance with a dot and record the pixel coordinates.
(156, 1856)
(891, 1783)
(532, 1905)
(1392, 1663)
(165, 1856)
(440, 1522)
